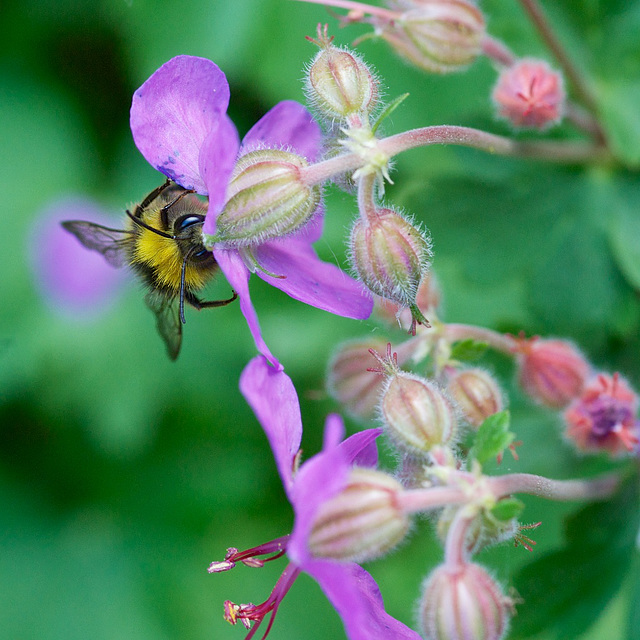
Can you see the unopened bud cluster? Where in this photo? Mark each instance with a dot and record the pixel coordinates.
(363, 521)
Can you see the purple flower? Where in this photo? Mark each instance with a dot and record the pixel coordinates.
(180, 125)
(351, 590)
(74, 281)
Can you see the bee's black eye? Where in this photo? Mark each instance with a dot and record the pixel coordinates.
(182, 223)
(202, 253)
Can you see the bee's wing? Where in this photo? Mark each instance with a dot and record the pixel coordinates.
(166, 308)
(111, 243)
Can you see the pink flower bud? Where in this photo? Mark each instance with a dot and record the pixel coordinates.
(350, 382)
(391, 257)
(463, 602)
(437, 35)
(530, 94)
(266, 198)
(476, 393)
(428, 300)
(416, 413)
(553, 372)
(363, 521)
(604, 417)
(340, 84)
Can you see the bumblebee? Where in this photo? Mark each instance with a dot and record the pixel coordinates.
(163, 245)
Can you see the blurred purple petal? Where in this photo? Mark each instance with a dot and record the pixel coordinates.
(360, 449)
(273, 398)
(287, 125)
(217, 159)
(173, 112)
(237, 275)
(73, 279)
(356, 598)
(312, 281)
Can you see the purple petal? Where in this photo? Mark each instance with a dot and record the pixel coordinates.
(288, 125)
(173, 112)
(73, 279)
(360, 449)
(217, 159)
(312, 281)
(237, 275)
(356, 598)
(273, 398)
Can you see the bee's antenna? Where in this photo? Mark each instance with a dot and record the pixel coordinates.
(165, 209)
(140, 223)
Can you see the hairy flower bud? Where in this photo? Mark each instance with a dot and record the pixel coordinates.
(428, 300)
(340, 84)
(437, 35)
(362, 522)
(350, 382)
(604, 417)
(530, 94)
(267, 198)
(463, 602)
(552, 372)
(477, 394)
(391, 257)
(416, 414)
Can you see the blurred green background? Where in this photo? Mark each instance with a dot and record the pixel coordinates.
(122, 475)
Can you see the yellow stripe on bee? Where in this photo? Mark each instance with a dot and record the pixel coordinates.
(164, 257)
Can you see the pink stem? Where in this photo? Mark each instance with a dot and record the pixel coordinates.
(497, 341)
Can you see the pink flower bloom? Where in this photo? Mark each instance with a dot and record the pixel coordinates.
(74, 281)
(604, 417)
(530, 94)
(351, 590)
(180, 125)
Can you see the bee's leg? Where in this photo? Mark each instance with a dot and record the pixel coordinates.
(195, 302)
(151, 197)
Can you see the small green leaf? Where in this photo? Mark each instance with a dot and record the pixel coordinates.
(492, 437)
(388, 110)
(507, 509)
(468, 350)
(621, 118)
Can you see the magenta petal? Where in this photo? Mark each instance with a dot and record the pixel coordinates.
(274, 400)
(217, 159)
(173, 112)
(75, 281)
(356, 598)
(288, 125)
(237, 275)
(312, 281)
(360, 449)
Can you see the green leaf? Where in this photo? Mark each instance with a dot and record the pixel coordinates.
(624, 229)
(468, 350)
(492, 438)
(566, 590)
(507, 509)
(621, 118)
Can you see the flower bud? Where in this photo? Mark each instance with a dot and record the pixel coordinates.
(530, 94)
(349, 381)
(391, 257)
(476, 393)
(362, 522)
(604, 417)
(437, 35)
(267, 198)
(552, 372)
(463, 602)
(416, 414)
(428, 300)
(340, 84)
